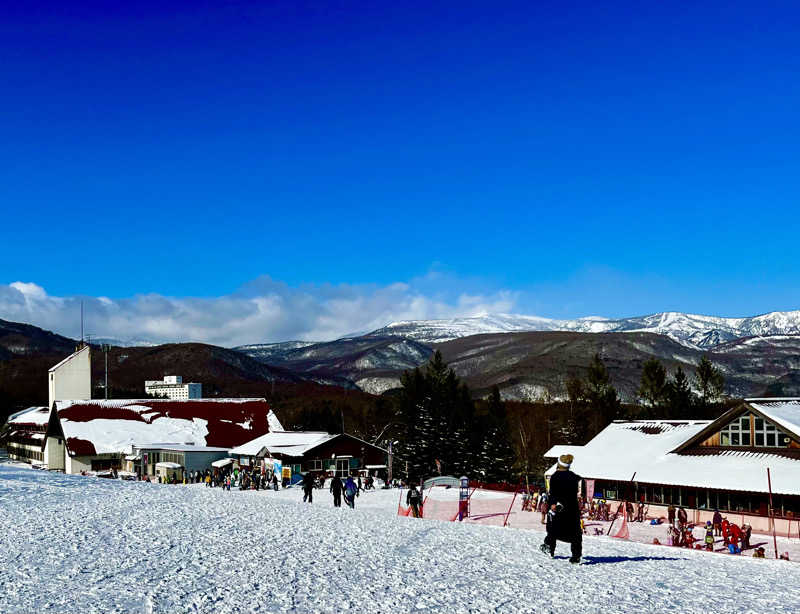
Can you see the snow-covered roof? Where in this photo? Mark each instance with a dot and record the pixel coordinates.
(645, 447)
(32, 416)
(560, 450)
(176, 447)
(101, 427)
(783, 412)
(223, 462)
(290, 443)
(168, 465)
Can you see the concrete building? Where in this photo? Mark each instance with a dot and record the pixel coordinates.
(701, 465)
(71, 378)
(172, 387)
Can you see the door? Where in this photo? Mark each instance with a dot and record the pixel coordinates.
(342, 467)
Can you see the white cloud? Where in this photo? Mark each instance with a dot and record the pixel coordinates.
(263, 310)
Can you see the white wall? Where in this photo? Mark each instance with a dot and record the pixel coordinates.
(54, 453)
(76, 464)
(72, 378)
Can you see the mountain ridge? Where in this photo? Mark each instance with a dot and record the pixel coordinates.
(691, 330)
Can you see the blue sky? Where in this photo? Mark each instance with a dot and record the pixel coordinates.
(595, 158)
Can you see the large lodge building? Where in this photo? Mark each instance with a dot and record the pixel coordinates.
(701, 465)
(77, 434)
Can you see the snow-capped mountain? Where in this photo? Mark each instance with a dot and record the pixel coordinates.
(694, 331)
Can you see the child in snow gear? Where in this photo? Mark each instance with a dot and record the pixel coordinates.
(709, 539)
(564, 514)
(414, 500)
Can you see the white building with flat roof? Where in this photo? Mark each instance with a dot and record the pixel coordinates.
(172, 387)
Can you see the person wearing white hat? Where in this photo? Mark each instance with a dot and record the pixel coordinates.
(564, 518)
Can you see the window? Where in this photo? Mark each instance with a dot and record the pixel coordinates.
(767, 435)
(314, 465)
(737, 433)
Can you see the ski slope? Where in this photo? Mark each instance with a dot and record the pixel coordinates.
(78, 544)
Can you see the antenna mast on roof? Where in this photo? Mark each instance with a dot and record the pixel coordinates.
(81, 323)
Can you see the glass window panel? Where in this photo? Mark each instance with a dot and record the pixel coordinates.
(725, 439)
(745, 439)
(734, 439)
(759, 424)
(745, 421)
(770, 427)
(771, 439)
(759, 439)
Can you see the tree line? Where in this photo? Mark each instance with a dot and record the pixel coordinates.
(442, 429)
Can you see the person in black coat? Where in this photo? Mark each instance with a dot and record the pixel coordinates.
(336, 490)
(308, 487)
(564, 517)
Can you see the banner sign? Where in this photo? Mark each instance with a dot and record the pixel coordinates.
(589, 490)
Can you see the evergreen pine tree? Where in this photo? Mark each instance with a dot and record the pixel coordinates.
(652, 386)
(679, 395)
(710, 381)
(600, 394)
(498, 450)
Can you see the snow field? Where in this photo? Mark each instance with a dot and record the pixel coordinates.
(77, 544)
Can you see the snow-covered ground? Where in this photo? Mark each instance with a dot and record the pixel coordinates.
(79, 544)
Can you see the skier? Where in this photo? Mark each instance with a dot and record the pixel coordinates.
(350, 492)
(336, 490)
(564, 520)
(308, 487)
(413, 500)
(274, 482)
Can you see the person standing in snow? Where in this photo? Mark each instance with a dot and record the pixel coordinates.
(671, 515)
(683, 517)
(565, 520)
(629, 510)
(336, 490)
(413, 500)
(308, 487)
(747, 531)
(717, 523)
(543, 505)
(350, 492)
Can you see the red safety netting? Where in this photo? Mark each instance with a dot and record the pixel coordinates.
(486, 507)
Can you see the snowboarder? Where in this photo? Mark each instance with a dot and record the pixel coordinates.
(564, 522)
(350, 492)
(413, 500)
(336, 490)
(308, 487)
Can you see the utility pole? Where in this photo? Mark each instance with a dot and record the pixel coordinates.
(106, 347)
